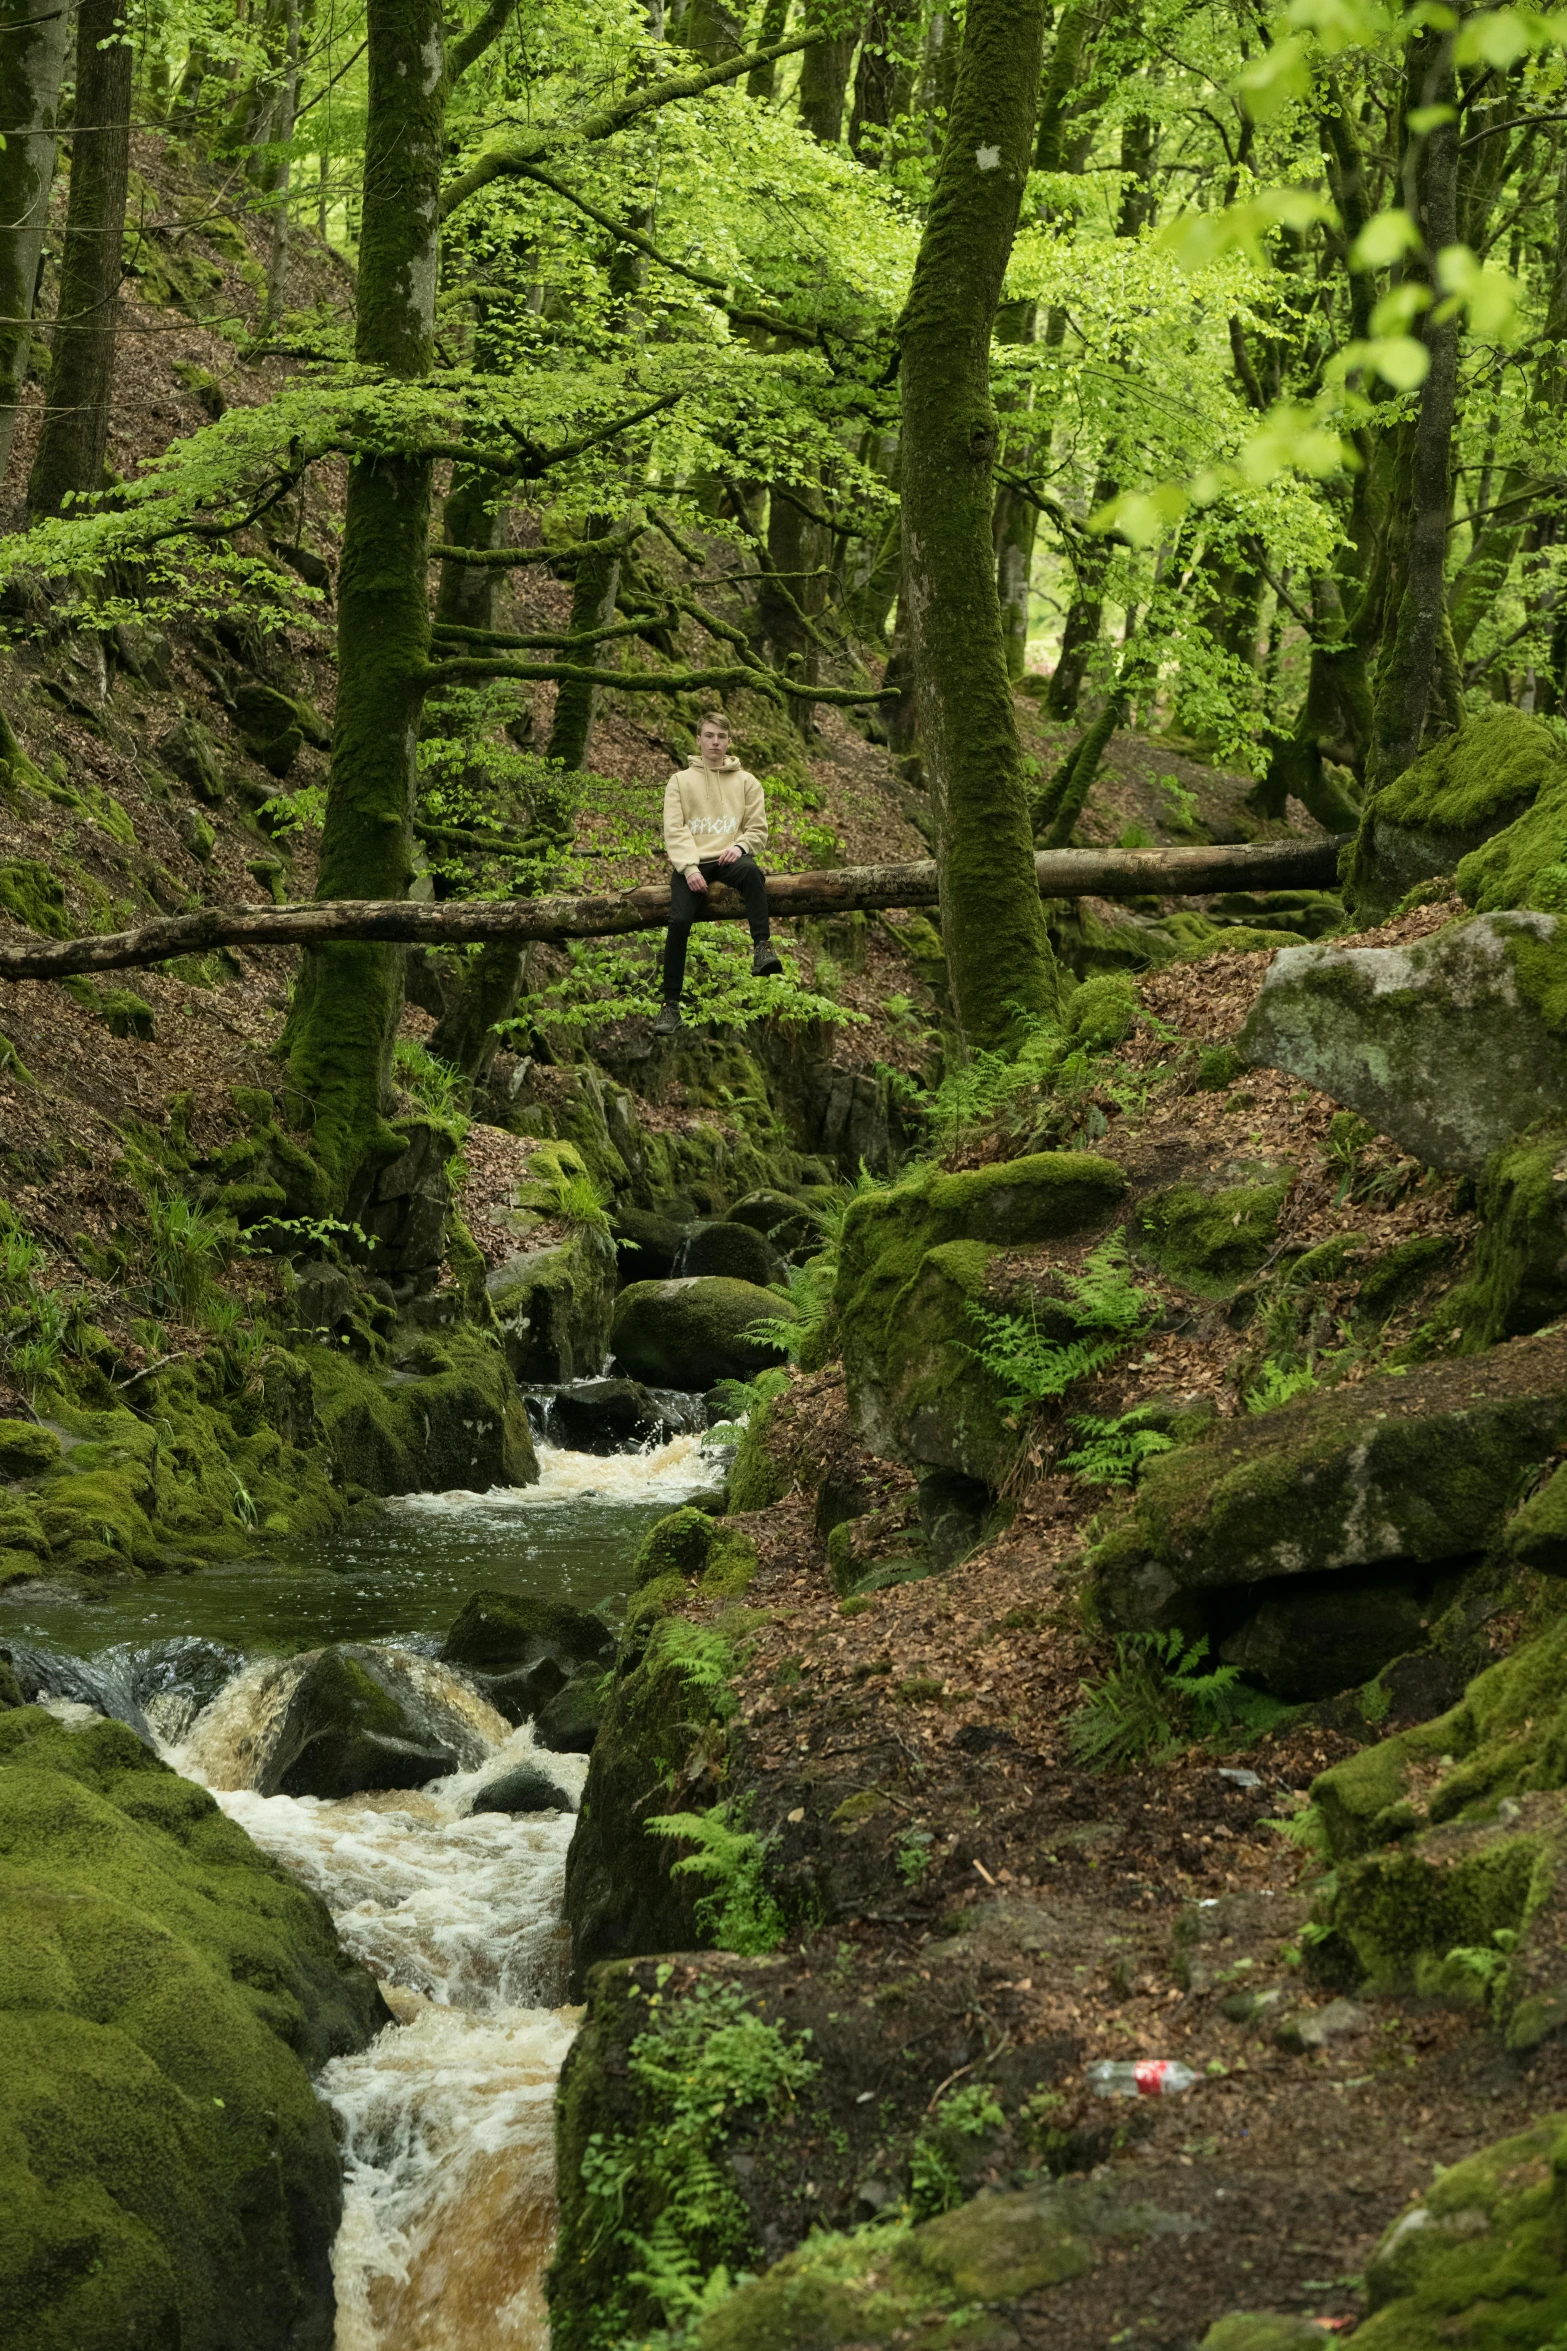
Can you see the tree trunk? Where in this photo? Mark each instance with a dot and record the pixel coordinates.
(1415, 678)
(282, 132)
(762, 80)
(998, 953)
(349, 998)
(793, 593)
(879, 77)
(75, 432)
(592, 607)
(824, 84)
(1016, 518)
(32, 61)
(450, 922)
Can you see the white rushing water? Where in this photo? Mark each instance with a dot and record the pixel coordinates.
(448, 2117)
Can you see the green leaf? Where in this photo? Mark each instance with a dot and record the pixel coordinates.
(1386, 238)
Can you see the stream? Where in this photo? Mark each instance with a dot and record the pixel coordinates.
(447, 2119)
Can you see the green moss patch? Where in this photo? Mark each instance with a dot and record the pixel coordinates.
(1478, 2258)
(165, 2171)
(1448, 805)
(1209, 1241)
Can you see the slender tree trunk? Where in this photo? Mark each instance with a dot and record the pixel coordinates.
(1416, 673)
(998, 953)
(762, 80)
(283, 132)
(880, 77)
(75, 432)
(592, 607)
(824, 84)
(348, 999)
(32, 62)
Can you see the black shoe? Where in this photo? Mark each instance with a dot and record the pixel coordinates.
(668, 1021)
(763, 961)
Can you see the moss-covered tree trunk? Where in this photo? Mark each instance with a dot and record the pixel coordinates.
(32, 60)
(1417, 674)
(824, 74)
(348, 999)
(593, 593)
(998, 954)
(75, 432)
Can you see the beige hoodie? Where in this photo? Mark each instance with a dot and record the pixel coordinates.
(710, 809)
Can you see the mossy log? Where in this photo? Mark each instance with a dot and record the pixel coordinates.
(1062, 873)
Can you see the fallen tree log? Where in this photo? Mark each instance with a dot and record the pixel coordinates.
(450, 922)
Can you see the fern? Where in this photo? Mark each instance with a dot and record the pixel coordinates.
(809, 1290)
(1153, 1703)
(1112, 1454)
(740, 1914)
(1032, 1367)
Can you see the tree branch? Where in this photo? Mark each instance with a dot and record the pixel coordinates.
(1062, 873)
(478, 38)
(504, 162)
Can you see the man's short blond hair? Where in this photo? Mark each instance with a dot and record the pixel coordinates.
(713, 718)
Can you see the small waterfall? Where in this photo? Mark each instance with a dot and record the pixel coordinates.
(448, 2117)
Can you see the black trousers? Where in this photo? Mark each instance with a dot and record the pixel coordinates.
(746, 876)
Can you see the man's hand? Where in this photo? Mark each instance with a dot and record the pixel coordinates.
(696, 879)
(730, 856)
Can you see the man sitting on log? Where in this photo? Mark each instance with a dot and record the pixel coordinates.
(714, 822)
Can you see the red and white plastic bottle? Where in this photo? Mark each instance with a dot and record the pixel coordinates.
(1139, 2077)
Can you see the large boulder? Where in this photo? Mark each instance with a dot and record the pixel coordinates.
(1458, 795)
(1396, 1474)
(913, 1260)
(359, 1718)
(555, 1307)
(1477, 2258)
(1449, 1046)
(166, 2173)
(1449, 1850)
(691, 1332)
(738, 1250)
(609, 1416)
(528, 1655)
(461, 1422)
(527, 1787)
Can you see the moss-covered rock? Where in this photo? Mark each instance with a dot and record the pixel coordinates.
(26, 1449)
(400, 1433)
(1536, 1534)
(939, 2283)
(764, 1469)
(32, 893)
(1415, 1469)
(555, 1307)
(351, 1724)
(168, 2176)
(1450, 1046)
(1209, 1240)
(667, 1703)
(1478, 2259)
(1456, 796)
(1517, 1280)
(740, 1251)
(1450, 1848)
(691, 1333)
(912, 1261)
(524, 1652)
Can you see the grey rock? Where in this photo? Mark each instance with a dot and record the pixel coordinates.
(609, 1416)
(1305, 1644)
(738, 1250)
(527, 1788)
(1314, 2028)
(1444, 1046)
(555, 1306)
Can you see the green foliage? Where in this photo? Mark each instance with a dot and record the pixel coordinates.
(936, 2182)
(1104, 1309)
(800, 1336)
(1156, 1699)
(1112, 1452)
(739, 1914)
(915, 1853)
(665, 2194)
(436, 1087)
(182, 1247)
